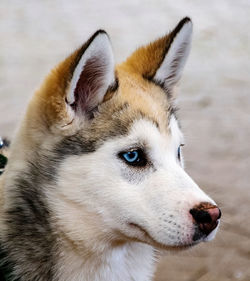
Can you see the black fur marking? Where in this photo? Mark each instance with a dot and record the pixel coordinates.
(6, 267)
(30, 243)
(78, 144)
(74, 145)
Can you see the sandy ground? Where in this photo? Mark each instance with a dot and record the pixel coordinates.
(214, 99)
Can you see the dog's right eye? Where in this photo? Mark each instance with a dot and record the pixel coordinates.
(136, 157)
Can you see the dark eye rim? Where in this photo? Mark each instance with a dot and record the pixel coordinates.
(179, 151)
(140, 162)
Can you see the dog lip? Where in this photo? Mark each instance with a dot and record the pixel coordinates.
(200, 235)
(159, 244)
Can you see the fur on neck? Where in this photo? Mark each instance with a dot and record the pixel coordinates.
(129, 261)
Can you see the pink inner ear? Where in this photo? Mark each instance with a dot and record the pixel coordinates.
(89, 85)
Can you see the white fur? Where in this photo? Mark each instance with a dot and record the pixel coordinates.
(128, 262)
(95, 205)
(172, 66)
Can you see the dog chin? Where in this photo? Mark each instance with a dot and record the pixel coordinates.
(160, 245)
(178, 247)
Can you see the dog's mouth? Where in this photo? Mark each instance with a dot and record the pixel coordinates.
(150, 240)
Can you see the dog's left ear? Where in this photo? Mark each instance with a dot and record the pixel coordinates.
(163, 60)
(171, 68)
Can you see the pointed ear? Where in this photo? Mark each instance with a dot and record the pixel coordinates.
(170, 70)
(92, 75)
(162, 61)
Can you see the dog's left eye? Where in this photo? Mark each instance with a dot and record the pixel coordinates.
(134, 157)
(179, 152)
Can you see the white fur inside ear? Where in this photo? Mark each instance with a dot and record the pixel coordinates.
(172, 66)
(99, 48)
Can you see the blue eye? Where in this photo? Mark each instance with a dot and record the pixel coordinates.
(134, 157)
(131, 156)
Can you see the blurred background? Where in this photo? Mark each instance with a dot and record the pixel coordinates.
(214, 97)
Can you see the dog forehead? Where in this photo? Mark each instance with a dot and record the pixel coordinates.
(146, 97)
(145, 130)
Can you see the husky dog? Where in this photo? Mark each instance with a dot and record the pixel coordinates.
(94, 184)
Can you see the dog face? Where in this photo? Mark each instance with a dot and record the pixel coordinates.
(114, 136)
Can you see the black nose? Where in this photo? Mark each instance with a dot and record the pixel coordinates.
(206, 216)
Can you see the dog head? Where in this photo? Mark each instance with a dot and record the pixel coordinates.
(111, 133)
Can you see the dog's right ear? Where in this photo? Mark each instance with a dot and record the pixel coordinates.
(92, 75)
